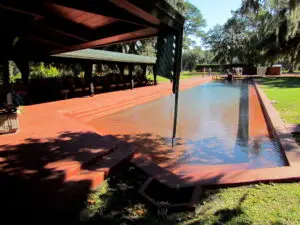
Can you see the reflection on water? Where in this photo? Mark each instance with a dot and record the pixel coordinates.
(212, 128)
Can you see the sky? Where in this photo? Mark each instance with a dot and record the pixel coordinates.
(216, 11)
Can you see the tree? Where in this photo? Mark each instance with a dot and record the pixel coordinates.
(194, 24)
(282, 29)
(194, 21)
(258, 36)
(191, 58)
(217, 43)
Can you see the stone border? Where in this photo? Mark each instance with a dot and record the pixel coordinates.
(278, 129)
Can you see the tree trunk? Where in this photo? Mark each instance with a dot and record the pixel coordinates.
(293, 59)
(291, 69)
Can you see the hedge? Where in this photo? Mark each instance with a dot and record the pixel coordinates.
(218, 67)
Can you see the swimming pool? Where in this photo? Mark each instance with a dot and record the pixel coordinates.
(215, 127)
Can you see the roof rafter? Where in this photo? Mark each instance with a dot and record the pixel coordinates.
(113, 39)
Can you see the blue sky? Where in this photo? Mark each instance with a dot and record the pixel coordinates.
(216, 11)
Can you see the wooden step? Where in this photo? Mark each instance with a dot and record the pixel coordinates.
(98, 171)
(120, 104)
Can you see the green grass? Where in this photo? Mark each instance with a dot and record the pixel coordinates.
(296, 71)
(118, 202)
(159, 78)
(184, 75)
(285, 92)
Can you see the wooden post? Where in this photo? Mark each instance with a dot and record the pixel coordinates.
(122, 68)
(144, 68)
(130, 67)
(23, 66)
(155, 74)
(88, 76)
(25, 73)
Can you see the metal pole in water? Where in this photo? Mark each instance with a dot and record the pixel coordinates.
(176, 76)
(175, 117)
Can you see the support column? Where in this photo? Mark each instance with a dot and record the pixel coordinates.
(23, 66)
(144, 68)
(155, 74)
(5, 70)
(177, 62)
(131, 67)
(176, 79)
(122, 68)
(88, 76)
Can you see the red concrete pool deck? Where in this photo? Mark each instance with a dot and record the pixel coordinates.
(54, 141)
(56, 137)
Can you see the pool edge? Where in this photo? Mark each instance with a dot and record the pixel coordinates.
(278, 129)
(288, 173)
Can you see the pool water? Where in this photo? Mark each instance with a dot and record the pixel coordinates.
(213, 128)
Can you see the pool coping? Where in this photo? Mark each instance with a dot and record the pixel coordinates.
(278, 128)
(280, 133)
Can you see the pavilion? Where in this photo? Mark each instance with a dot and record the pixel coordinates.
(44, 30)
(88, 57)
(35, 30)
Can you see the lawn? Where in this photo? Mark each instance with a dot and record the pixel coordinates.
(285, 92)
(184, 75)
(118, 202)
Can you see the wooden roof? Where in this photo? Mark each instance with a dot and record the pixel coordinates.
(37, 28)
(100, 55)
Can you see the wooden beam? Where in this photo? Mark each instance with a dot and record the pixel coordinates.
(167, 15)
(105, 8)
(58, 25)
(84, 34)
(65, 33)
(35, 25)
(49, 42)
(36, 16)
(79, 16)
(113, 39)
(67, 27)
(133, 9)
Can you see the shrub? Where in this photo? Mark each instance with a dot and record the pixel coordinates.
(13, 78)
(44, 71)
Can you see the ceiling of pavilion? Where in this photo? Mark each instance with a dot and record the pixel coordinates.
(37, 28)
(100, 55)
